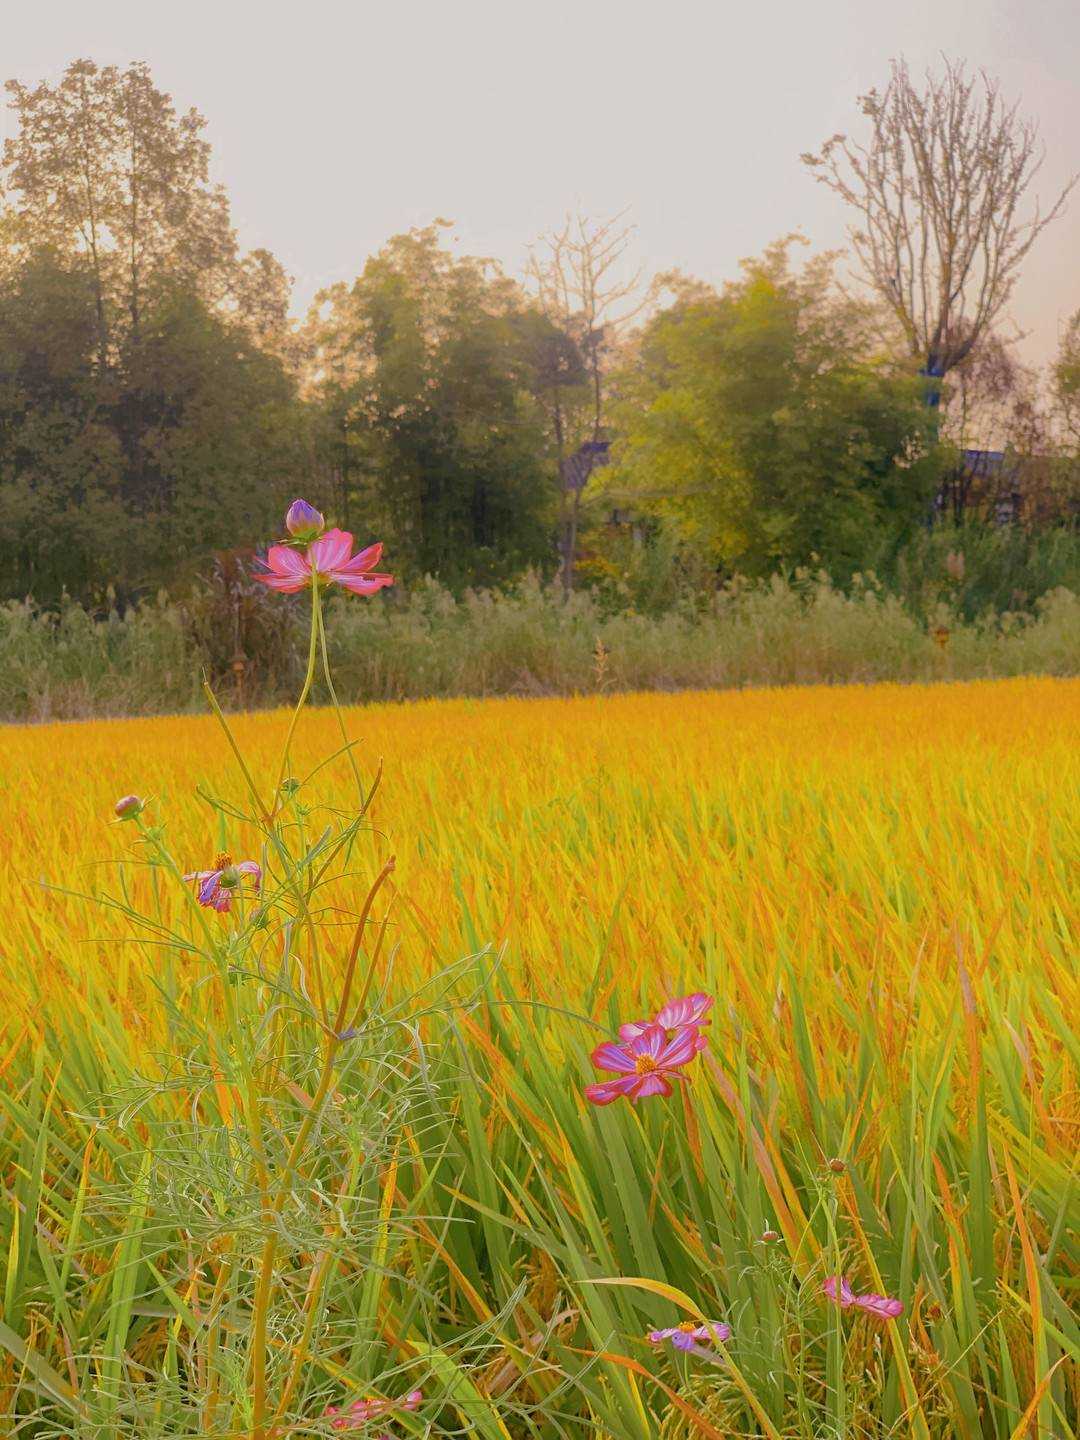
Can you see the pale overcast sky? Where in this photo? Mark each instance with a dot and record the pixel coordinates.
(334, 125)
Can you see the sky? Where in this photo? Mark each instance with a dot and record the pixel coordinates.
(336, 125)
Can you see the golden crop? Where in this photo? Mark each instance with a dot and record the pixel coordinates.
(879, 887)
(667, 839)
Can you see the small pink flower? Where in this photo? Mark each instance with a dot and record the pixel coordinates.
(690, 1010)
(128, 806)
(688, 1336)
(643, 1064)
(882, 1307)
(331, 559)
(370, 1408)
(218, 886)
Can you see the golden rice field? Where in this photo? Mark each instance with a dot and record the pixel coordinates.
(879, 887)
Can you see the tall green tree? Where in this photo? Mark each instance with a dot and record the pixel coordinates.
(759, 423)
(147, 412)
(429, 370)
(130, 478)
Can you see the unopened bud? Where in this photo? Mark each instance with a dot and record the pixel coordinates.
(127, 807)
(769, 1236)
(303, 521)
(837, 1166)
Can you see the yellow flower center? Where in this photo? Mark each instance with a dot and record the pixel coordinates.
(223, 861)
(689, 1326)
(645, 1065)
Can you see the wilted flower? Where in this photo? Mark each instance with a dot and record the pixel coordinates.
(690, 1010)
(643, 1064)
(218, 886)
(883, 1307)
(331, 559)
(128, 806)
(304, 521)
(689, 1335)
(940, 636)
(370, 1408)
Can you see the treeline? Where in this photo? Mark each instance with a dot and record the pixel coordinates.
(158, 404)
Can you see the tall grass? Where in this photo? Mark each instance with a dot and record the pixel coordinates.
(878, 886)
(525, 641)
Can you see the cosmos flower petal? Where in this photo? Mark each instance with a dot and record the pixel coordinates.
(361, 584)
(633, 1028)
(608, 1090)
(655, 1084)
(681, 1048)
(689, 1010)
(250, 867)
(650, 1042)
(883, 1306)
(847, 1295)
(283, 560)
(362, 561)
(284, 584)
(330, 552)
(610, 1056)
(209, 886)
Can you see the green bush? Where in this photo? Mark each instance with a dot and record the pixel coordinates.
(529, 640)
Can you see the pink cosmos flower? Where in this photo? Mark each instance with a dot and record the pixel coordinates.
(643, 1064)
(690, 1010)
(218, 886)
(331, 559)
(882, 1307)
(688, 1336)
(361, 1411)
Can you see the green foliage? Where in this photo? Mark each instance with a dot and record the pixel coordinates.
(434, 368)
(760, 424)
(977, 569)
(527, 640)
(129, 475)
(146, 415)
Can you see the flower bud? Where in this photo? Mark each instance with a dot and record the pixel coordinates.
(127, 807)
(769, 1236)
(303, 521)
(837, 1166)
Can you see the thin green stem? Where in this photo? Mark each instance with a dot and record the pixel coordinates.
(339, 716)
(309, 678)
(314, 1110)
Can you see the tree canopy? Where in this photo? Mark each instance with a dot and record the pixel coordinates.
(760, 423)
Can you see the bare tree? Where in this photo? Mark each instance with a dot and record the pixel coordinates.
(586, 294)
(992, 401)
(940, 188)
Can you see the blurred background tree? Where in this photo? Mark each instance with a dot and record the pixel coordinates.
(764, 425)
(430, 370)
(159, 402)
